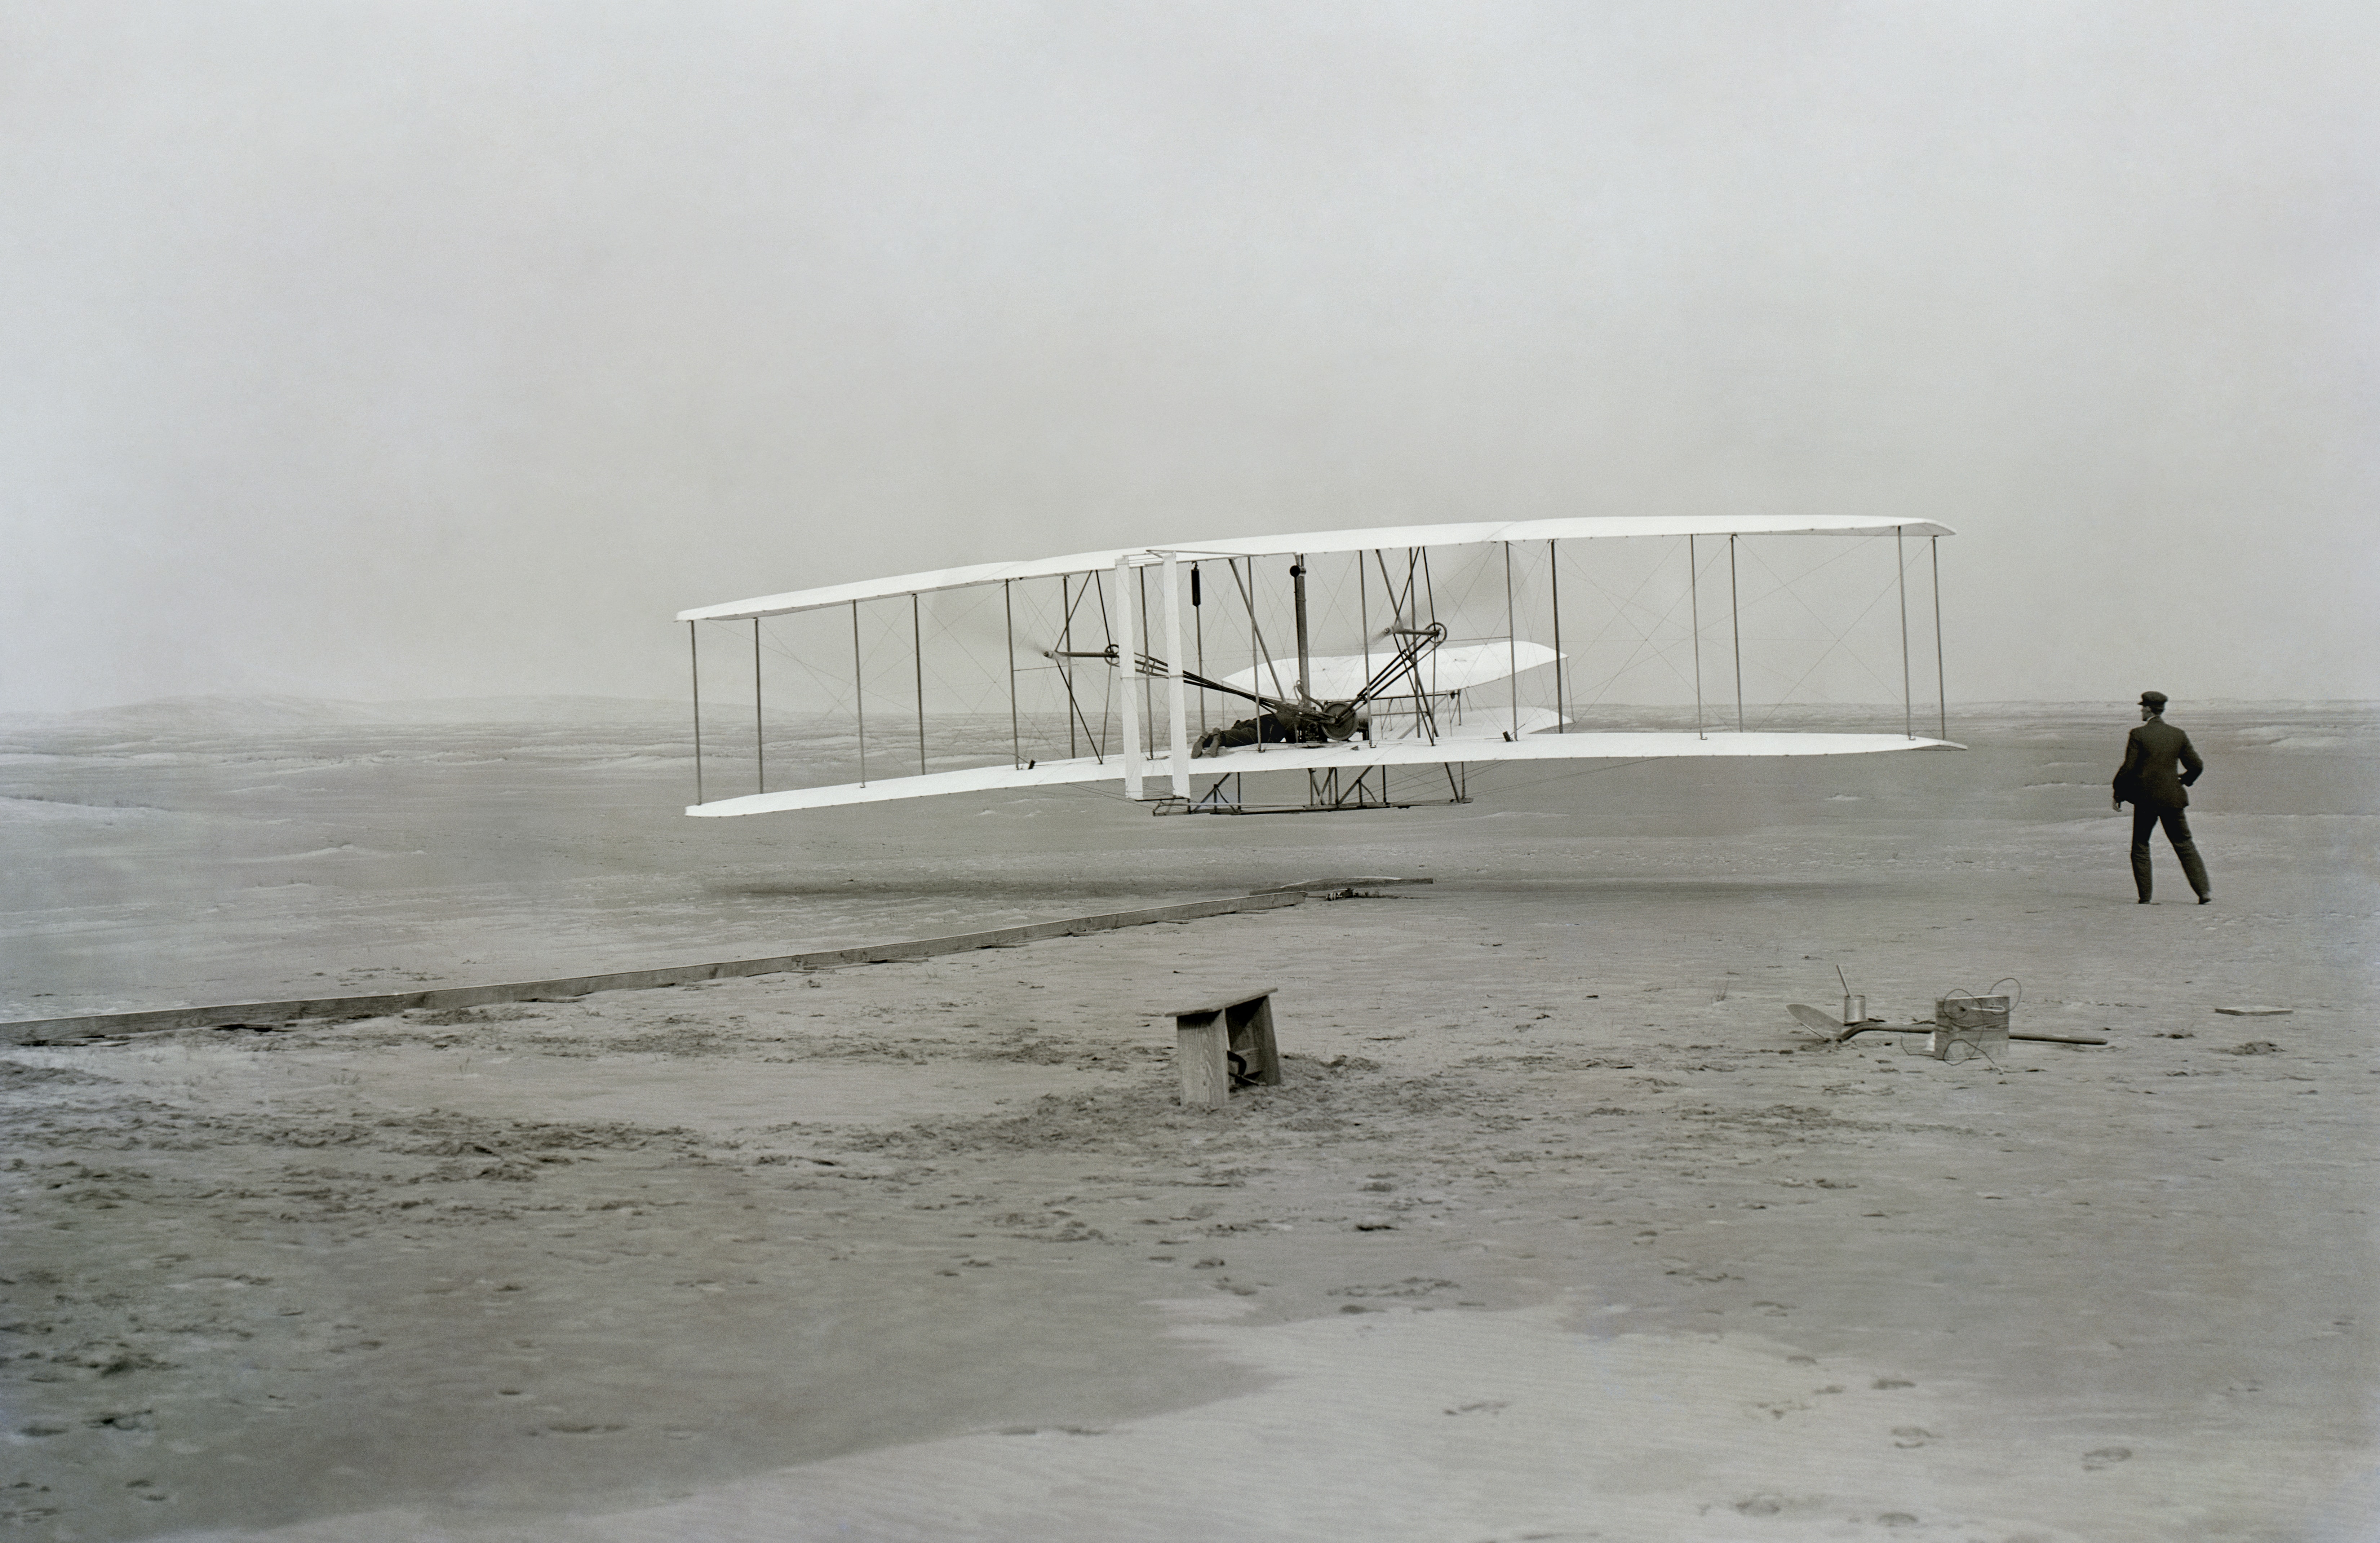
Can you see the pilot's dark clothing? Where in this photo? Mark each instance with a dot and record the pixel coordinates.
(2149, 781)
(1285, 725)
(1265, 728)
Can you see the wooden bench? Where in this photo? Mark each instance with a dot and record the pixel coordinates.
(1224, 1042)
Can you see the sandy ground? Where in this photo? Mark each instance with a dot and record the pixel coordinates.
(1558, 1228)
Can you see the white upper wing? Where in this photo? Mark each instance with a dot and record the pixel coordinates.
(1383, 536)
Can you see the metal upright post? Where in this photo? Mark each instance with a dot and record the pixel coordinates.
(1418, 562)
(1941, 683)
(1176, 709)
(917, 654)
(1900, 579)
(1130, 684)
(1364, 615)
(1694, 604)
(1199, 629)
(860, 693)
(1255, 647)
(1553, 568)
(759, 723)
(1148, 707)
(694, 659)
(1008, 624)
(1735, 623)
(1511, 645)
(1297, 585)
(1065, 645)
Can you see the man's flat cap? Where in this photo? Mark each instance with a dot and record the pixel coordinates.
(2153, 699)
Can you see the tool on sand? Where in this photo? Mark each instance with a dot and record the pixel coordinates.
(1822, 1022)
(1943, 1034)
(1979, 1024)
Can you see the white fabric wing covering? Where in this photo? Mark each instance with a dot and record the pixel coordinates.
(1348, 757)
(1453, 667)
(1384, 538)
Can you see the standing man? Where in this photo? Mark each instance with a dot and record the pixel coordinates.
(2147, 781)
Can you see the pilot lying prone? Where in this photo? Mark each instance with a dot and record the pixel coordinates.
(1288, 723)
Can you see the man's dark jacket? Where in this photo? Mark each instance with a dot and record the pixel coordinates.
(2147, 776)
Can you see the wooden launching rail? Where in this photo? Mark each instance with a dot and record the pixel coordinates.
(107, 1026)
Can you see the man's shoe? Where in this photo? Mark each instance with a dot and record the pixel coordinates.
(2206, 900)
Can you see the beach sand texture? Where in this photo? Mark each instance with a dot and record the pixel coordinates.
(1558, 1228)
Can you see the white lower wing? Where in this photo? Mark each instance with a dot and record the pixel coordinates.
(1349, 756)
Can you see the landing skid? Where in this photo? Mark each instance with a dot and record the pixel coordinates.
(1327, 792)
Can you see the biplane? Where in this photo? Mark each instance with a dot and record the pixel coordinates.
(1365, 668)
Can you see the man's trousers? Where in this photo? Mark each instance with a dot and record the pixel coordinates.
(2145, 818)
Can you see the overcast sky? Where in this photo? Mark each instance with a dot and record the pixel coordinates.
(439, 350)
